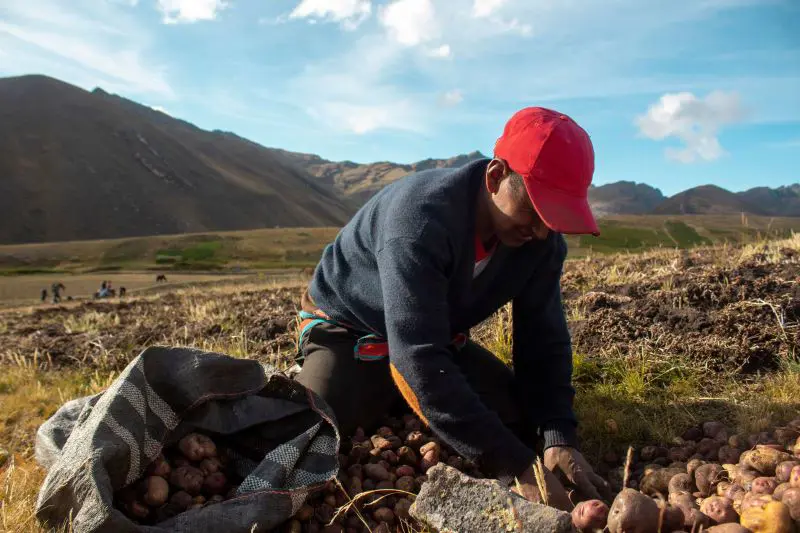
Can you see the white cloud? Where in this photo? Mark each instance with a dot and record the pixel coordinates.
(86, 47)
(349, 13)
(410, 22)
(442, 52)
(361, 119)
(513, 26)
(452, 98)
(160, 109)
(695, 121)
(484, 8)
(188, 11)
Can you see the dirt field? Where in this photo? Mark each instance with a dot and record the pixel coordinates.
(662, 341)
(25, 290)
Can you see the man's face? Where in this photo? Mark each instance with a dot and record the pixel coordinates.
(514, 219)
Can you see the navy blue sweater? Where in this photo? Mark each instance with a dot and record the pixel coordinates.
(403, 268)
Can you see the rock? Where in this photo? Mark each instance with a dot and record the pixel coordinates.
(452, 501)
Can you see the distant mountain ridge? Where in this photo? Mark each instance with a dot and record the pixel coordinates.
(78, 165)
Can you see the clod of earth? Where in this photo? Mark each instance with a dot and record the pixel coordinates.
(452, 501)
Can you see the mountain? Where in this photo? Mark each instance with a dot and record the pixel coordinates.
(705, 200)
(624, 197)
(90, 165)
(782, 201)
(356, 183)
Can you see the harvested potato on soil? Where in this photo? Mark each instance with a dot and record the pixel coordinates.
(791, 499)
(719, 509)
(590, 515)
(706, 478)
(764, 485)
(764, 459)
(658, 482)
(728, 528)
(794, 477)
(633, 512)
(772, 517)
(159, 467)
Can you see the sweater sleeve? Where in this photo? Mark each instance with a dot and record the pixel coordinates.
(542, 353)
(414, 286)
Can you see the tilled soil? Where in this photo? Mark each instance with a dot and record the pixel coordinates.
(725, 317)
(719, 309)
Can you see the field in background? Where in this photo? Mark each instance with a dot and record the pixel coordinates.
(301, 247)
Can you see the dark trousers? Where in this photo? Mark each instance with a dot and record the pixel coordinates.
(362, 392)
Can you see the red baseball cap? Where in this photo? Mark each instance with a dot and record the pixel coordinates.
(555, 158)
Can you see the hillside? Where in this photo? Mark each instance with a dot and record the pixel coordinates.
(89, 165)
(706, 199)
(783, 201)
(624, 198)
(356, 183)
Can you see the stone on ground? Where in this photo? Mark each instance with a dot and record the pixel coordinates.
(450, 501)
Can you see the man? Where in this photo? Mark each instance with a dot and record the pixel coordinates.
(431, 256)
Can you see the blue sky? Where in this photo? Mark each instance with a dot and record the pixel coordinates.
(674, 93)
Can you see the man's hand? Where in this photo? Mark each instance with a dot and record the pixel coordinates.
(556, 495)
(571, 463)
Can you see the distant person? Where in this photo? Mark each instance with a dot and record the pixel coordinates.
(44, 294)
(56, 289)
(386, 315)
(103, 292)
(160, 278)
(122, 292)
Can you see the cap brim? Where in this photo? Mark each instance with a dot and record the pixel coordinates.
(562, 212)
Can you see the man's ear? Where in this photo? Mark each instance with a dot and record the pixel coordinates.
(496, 172)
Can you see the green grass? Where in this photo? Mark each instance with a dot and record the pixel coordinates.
(685, 235)
(291, 247)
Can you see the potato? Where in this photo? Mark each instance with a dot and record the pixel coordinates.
(764, 485)
(633, 512)
(215, 483)
(380, 443)
(794, 477)
(137, 510)
(738, 441)
(713, 428)
(293, 526)
(772, 517)
(209, 465)
(324, 513)
(196, 447)
(693, 465)
(590, 515)
(305, 513)
(181, 499)
(658, 482)
(401, 508)
(791, 499)
(405, 470)
(764, 459)
(693, 433)
(681, 483)
(383, 514)
(354, 486)
(156, 491)
(159, 467)
(406, 483)
(680, 453)
(384, 485)
(751, 499)
(728, 454)
(389, 456)
(681, 498)
(784, 470)
(330, 499)
(708, 448)
(187, 478)
(407, 456)
(779, 490)
(719, 509)
(706, 478)
(415, 439)
(786, 435)
(727, 528)
(731, 491)
(796, 447)
(376, 472)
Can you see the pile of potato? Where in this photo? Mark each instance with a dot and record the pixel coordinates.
(395, 459)
(192, 475)
(708, 480)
